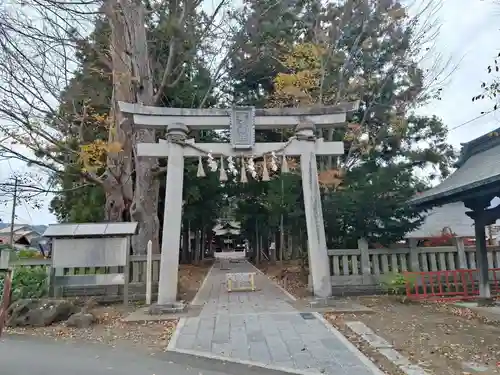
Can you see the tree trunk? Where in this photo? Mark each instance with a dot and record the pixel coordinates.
(272, 249)
(210, 237)
(185, 244)
(282, 239)
(189, 254)
(118, 182)
(203, 243)
(133, 83)
(197, 246)
(289, 246)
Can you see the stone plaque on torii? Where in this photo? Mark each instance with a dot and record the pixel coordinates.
(242, 122)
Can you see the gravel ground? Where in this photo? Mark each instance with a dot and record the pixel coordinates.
(439, 337)
(442, 338)
(112, 330)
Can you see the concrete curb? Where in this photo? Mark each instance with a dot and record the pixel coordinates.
(385, 348)
(196, 298)
(182, 321)
(349, 345)
(175, 336)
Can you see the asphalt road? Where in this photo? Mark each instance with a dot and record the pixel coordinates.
(27, 355)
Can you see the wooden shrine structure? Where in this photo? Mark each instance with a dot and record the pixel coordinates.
(475, 183)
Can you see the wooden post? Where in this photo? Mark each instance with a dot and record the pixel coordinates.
(126, 272)
(5, 299)
(149, 273)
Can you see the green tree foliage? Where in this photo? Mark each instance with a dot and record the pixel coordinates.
(343, 51)
(291, 54)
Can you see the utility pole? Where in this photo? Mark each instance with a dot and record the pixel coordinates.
(490, 235)
(13, 215)
(282, 226)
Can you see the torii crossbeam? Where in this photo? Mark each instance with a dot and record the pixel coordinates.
(242, 122)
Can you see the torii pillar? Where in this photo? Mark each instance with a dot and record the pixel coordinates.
(172, 217)
(319, 264)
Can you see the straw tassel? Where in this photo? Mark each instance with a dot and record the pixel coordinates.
(201, 171)
(244, 178)
(265, 172)
(223, 174)
(284, 165)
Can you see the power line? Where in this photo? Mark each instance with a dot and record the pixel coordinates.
(471, 120)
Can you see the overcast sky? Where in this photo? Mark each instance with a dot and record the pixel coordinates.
(469, 34)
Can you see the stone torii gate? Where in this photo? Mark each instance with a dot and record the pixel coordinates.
(242, 122)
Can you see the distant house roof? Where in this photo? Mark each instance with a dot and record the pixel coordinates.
(20, 230)
(478, 168)
(20, 240)
(16, 228)
(91, 230)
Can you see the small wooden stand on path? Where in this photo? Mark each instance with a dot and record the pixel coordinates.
(240, 282)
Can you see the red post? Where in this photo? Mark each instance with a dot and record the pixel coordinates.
(5, 299)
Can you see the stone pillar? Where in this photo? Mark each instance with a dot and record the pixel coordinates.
(482, 261)
(172, 218)
(462, 258)
(414, 251)
(365, 257)
(319, 264)
(149, 273)
(4, 258)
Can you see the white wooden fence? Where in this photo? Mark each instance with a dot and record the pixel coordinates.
(353, 271)
(363, 270)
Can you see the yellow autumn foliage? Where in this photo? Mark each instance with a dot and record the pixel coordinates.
(297, 86)
(92, 155)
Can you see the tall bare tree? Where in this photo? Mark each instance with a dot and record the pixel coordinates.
(38, 40)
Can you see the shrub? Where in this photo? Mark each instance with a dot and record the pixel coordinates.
(396, 283)
(27, 283)
(28, 254)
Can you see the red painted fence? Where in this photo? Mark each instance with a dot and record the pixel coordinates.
(450, 286)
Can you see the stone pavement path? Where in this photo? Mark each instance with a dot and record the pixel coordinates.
(262, 328)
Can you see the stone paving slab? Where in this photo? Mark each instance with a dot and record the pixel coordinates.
(142, 315)
(263, 328)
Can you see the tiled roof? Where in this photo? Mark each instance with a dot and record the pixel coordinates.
(478, 170)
